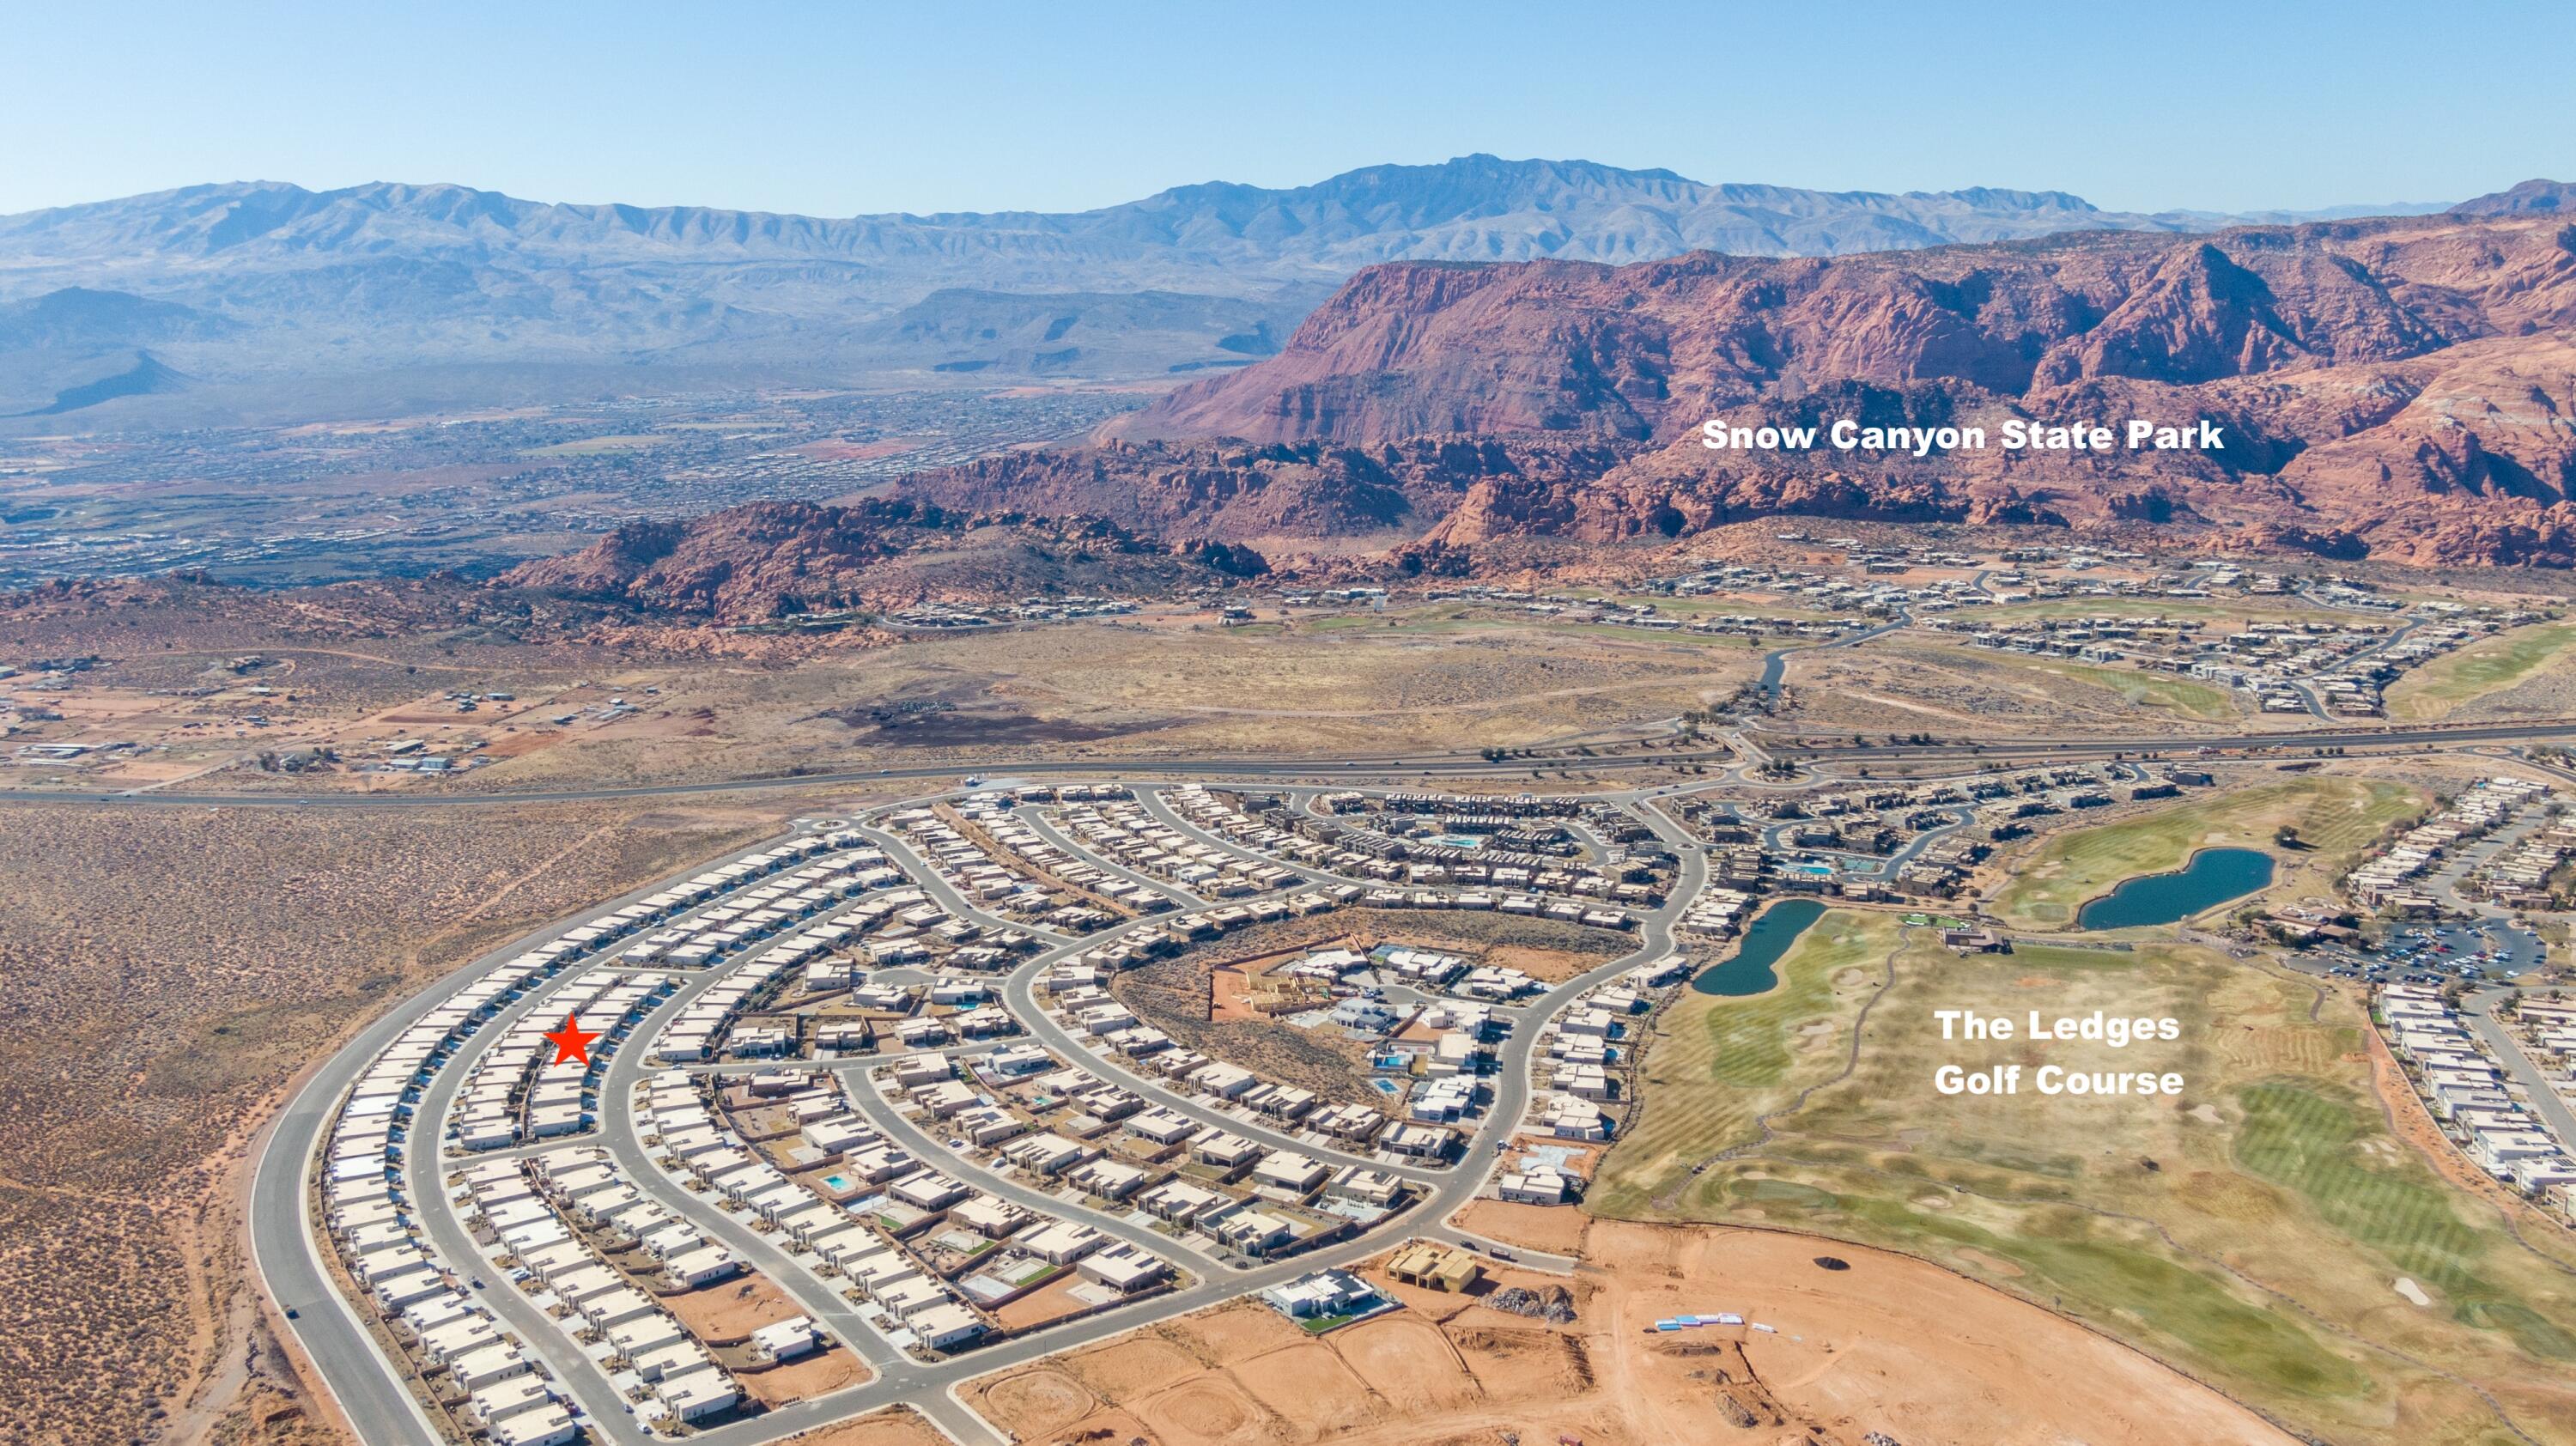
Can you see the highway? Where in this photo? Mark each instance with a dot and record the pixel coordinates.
(1808, 747)
(1269, 766)
(1821, 747)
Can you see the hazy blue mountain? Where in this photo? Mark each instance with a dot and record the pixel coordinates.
(74, 348)
(274, 281)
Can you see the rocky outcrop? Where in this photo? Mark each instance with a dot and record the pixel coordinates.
(744, 563)
(2403, 386)
(1276, 493)
(2531, 198)
(774, 560)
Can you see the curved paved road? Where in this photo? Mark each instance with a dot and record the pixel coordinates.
(289, 1259)
(286, 1253)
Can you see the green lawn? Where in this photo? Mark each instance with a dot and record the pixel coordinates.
(2489, 665)
(2296, 1137)
(2334, 816)
(2148, 690)
(2250, 1232)
(1716, 1062)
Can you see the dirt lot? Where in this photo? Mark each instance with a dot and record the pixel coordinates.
(1052, 1301)
(1891, 1344)
(819, 1374)
(1888, 1345)
(732, 1309)
(1541, 962)
(897, 1426)
(1177, 994)
(147, 1031)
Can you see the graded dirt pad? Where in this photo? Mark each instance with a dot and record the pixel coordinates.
(1035, 1401)
(729, 1310)
(819, 1374)
(1237, 1331)
(1894, 1345)
(1557, 1230)
(1107, 1428)
(897, 1426)
(1128, 1368)
(1051, 1301)
(1553, 965)
(1208, 1409)
(1522, 1363)
(1309, 1388)
(1406, 1358)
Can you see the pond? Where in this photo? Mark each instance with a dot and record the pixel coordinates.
(1748, 970)
(2213, 877)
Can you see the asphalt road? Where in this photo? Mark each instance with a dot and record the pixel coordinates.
(2546, 1102)
(1820, 746)
(283, 1248)
(1776, 662)
(1793, 746)
(290, 1260)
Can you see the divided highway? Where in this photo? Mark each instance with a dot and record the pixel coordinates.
(1808, 747)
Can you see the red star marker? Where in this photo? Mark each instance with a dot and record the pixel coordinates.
(572, 1041)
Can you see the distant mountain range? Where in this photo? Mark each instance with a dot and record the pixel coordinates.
(260, 282)
(2396, 387)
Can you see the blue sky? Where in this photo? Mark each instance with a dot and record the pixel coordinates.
(840, 109)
